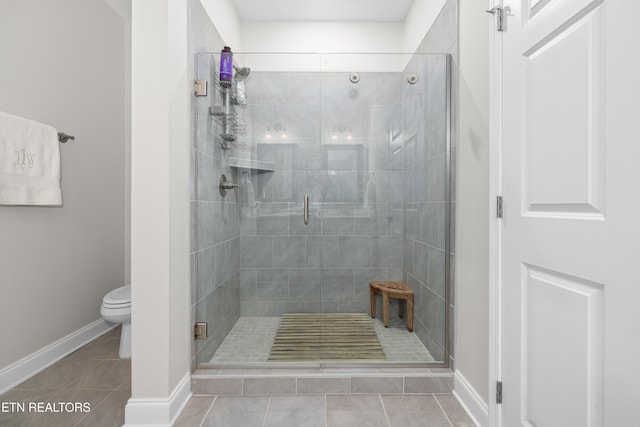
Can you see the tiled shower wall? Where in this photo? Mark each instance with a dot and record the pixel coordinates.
(442, 38)
(262, 254)
(334, 140)
(215, 220)
(425, 197)
(331, 139)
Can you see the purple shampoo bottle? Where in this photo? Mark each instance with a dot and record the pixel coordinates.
(226, 67)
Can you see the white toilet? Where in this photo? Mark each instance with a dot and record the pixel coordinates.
(116, 308)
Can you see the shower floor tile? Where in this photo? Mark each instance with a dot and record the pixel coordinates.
(251, 338)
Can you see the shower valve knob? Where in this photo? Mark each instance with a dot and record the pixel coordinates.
(225, 185)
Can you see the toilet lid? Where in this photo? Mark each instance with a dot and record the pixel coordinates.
(118, 297)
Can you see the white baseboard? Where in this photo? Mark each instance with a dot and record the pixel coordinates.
(30, 365)
(470, 400)
(158, 412)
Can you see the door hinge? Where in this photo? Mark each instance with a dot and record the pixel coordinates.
(200, 87)
(499, 206)
(200, 331)
(499, 13)
(499, 392)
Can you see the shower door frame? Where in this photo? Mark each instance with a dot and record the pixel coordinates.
(447, 240)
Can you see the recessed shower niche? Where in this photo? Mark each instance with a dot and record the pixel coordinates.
(340, 183)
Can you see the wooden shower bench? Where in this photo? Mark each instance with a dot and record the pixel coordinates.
(398, 290)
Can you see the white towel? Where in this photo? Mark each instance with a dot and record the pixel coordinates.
(29, 162)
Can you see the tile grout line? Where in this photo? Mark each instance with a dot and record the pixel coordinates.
(384, 410)
(92, 409)
(442, 409)
(208, 411)
(266, 413)
(326, 412)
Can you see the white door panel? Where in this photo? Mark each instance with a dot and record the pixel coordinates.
(562, 121)
(561, 345)
(570, 146)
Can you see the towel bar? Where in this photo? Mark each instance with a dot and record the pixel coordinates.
(63, 137)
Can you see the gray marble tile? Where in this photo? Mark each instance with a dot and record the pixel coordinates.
(337, 284)
(105, 347)
(258, 118)
(305, 88)
(269, 385)
(369, 385)
(272, 284)
(428, 384)
(195, 412)
(436, 178)
(248, 226)
(289, 252)
(332, 186)
(245, 411)
(216, 386)
(204, 190)
(412, 221)
(256, 251)
(59, 375)
(407, 257)
(108, 374)
(414, 411)
(291, 119)
(376, 224)
(322, 251)
(437, 271)
(248, 280)
(272, 225)
(273, 87)
(338, 226)
(305, 285)
(455, 412)
(221, 262)
(109, 413)
(323, 385)
(204, 220)
(421, 262)
(296, 411)
(355, 411)
(296, 220)
(204, 260)
(386, 251)
(354, 251)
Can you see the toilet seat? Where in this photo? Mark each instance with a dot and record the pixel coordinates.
(116, 308)
(118, 298)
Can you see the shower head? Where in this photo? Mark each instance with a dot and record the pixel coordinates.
(241, 73)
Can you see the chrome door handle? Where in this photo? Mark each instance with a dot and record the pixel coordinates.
(306, 209)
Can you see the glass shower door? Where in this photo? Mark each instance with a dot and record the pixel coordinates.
(369, 149)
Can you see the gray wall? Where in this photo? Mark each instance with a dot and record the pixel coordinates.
(57, 263)
(473, 214)
(215, 220)
(326, 265)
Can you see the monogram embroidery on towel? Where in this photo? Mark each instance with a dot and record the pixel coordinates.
(24, 158)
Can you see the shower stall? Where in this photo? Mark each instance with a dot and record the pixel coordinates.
(313, 175)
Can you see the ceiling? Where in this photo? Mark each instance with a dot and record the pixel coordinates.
(323, 10)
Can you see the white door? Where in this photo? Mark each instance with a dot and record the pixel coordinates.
(570, 124)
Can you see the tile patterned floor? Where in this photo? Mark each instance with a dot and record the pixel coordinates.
(330, 410)
(93, 374)
(251, 337)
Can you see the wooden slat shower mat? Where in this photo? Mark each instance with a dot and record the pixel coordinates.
(326, 336)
